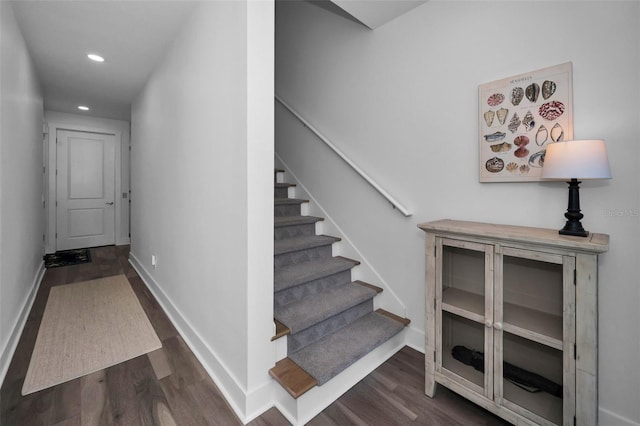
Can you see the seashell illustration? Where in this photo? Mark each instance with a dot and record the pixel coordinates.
(495, 137)
(528, 121)
(521, 152)
(537, 159)
(488, 117)
(551, 110)
(542, 135)
(495, 99)
(557, 133)
(501, 147)
(494, 165)
(548, 89)
(532, 92)
(502, 115)
(514, 123)
(512, 167)
(521, 140)
(516, 95)
(524, 169)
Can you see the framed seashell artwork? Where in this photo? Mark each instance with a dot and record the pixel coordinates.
(513, 111)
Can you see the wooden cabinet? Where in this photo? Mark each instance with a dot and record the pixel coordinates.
(511, 319)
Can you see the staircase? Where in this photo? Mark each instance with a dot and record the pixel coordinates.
(329, 320)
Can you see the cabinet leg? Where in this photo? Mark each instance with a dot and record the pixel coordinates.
(430, 386)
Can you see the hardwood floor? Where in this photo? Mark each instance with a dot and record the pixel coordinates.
(170, 387)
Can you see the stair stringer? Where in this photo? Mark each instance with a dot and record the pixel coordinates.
(306, 407)
(387, 300)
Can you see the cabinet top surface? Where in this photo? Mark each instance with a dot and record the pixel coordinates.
(595, 243)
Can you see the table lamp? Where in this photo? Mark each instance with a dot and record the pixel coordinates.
(573, 160)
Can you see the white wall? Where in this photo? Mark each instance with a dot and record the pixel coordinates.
(21, 185)
(401, 101)
(59, 120)
(202, 173)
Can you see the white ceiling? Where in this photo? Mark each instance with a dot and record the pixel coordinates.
(133, 36)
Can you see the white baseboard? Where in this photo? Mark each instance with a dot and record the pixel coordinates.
(415, 339)
(609, 418)
(7, 352)
(246, 405)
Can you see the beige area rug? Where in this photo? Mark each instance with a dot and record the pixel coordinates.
(86, 327)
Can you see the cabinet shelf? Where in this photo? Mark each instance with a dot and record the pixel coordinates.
(540, 404)
(533, 325)
(538, 326)
(466, 304)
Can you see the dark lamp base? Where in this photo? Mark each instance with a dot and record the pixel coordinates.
(573, 215)
(577, 233)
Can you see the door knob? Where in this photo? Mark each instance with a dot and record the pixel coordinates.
(110, 203)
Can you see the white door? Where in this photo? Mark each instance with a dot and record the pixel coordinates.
(85, 190)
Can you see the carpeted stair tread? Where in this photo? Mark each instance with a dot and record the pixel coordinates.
(284, 185)
(289, 245)
(281, 221)
(314, 309)
(288, 201)
(297, 274)
(335, 352)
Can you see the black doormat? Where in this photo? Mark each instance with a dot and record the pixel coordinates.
(67, 257)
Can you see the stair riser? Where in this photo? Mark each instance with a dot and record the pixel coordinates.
(312, 334)
(301, 256)
(299, 292)
(281, 193)
(287, 210)
(283, 232)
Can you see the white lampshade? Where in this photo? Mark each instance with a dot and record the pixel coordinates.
(581, 159)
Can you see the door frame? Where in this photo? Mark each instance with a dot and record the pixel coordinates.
(121, 204)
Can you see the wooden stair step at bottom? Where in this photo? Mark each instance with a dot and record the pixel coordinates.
(293, 379)
(296, 381)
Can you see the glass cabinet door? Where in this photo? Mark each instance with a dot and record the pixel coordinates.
(464, 312)
(533, 322)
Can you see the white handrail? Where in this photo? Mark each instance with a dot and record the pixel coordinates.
(385, 194)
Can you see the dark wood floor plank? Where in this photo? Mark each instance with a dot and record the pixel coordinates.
(160, 363)
(153, 408)
(183, 408)
(271, 417)
(212, 404)
(185, 367)
(340, 414)
(398, 403)
(122, 395)
(158, 319)
(94, 400)
(131, 393)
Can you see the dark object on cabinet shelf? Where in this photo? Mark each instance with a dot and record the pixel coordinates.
(518, 376)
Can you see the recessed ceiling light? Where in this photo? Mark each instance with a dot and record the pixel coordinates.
(84, 108)
(95, 57)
